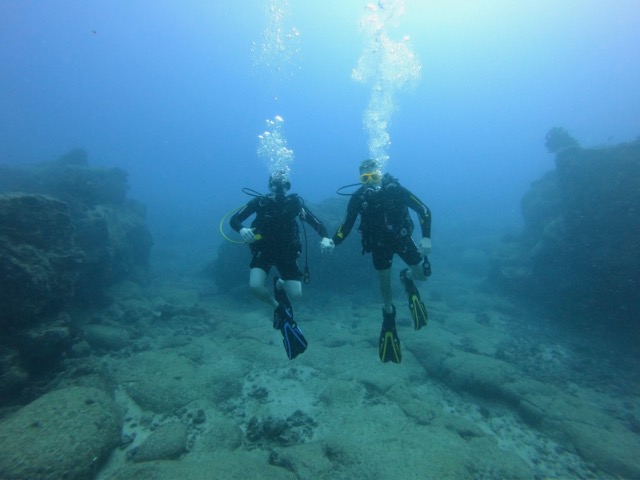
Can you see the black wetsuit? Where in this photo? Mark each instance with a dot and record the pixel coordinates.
(385, 224)
(275, 222)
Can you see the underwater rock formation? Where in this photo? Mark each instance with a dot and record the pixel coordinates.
(108, 227)
(578, 250)
(66, 433)
(39, 259)
(67, 231)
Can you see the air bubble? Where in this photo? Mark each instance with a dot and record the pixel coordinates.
(386, 65)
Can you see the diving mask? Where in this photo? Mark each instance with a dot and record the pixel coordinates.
(373, 177)
(279, 185)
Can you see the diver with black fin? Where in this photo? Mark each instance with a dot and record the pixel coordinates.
(274, 240)
(389, 344)
(416, 307)
(386, 227)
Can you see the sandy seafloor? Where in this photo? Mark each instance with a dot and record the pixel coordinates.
(337, 411)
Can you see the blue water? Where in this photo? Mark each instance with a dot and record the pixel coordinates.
(170, 91)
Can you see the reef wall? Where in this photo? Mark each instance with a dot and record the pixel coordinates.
(67, 232)
(578, 250)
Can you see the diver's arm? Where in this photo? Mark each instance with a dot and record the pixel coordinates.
(242, 214)
(315, 222)
(423, 212)
(349, 220)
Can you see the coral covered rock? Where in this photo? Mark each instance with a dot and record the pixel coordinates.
(67, 232)
(39, 259)
(578, 250)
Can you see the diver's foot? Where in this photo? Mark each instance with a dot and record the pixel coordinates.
(389, 343)
(417, 308)
(284, 311)
(293, 339)
(282, 314)
(406, 280)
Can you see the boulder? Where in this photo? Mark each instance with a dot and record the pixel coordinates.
(66, 433)
(106, 337)
(163, 381)
(167, 442)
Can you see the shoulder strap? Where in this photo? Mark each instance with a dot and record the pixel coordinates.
(389, 181)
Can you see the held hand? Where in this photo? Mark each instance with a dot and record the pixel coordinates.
(327, 245)
(425, 244)
(247, 235)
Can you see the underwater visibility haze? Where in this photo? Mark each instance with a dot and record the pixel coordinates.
(173, 94)
(130, 132)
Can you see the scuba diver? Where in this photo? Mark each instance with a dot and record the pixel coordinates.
(274, 240)
(386, 229)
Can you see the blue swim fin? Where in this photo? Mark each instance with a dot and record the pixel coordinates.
(284, 311)
(293, 340)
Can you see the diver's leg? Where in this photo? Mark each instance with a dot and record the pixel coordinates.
(416, 306)
(286, 290)
(293, 289)
(382, 256)
(288, 268)
(408, 251)
(386, 290)
(388, 344)
(257, 277)
(418, 310)
(293, 339)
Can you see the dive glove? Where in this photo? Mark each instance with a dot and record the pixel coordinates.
(247, 235)
(425, 244)
(327, 245)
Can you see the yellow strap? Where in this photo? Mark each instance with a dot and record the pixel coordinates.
(222, 221)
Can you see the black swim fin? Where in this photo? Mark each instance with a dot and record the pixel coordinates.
(418, 310)
(293, 340)
(389, 345)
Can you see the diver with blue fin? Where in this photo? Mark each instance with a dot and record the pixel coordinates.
(292, 338)
(274, 240)
(386, 227)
